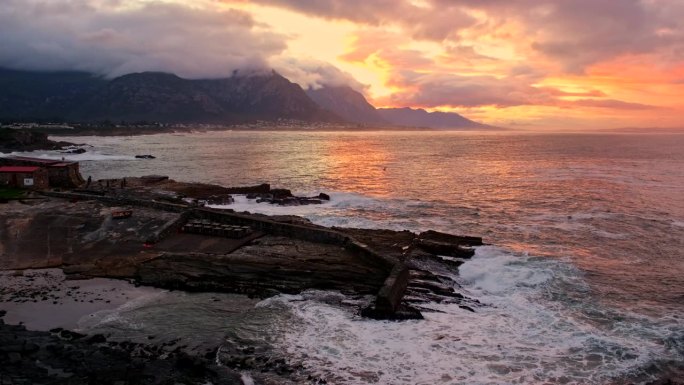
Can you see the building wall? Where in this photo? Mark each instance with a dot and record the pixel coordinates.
(66, 175)
(36, 180)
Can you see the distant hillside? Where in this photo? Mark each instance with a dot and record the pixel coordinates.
(153, 96)
(348, 104)
(353, 106)
(421, 118)
(44, 95)
(167, 98)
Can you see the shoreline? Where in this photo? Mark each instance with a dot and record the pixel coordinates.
(169, 231)
(101, 208)
(134, 130)
(150, 250)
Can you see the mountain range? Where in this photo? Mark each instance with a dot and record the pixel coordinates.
(167, 98)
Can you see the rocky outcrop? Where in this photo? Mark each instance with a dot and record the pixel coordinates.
(26, 140)
(274, 255)
(267, 265)
(65, 357)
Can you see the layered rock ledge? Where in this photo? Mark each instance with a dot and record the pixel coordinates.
(81, 232)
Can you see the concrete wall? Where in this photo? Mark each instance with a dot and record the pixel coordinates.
(389, 296)
(169, 228)
(67, 176)
(120, 201)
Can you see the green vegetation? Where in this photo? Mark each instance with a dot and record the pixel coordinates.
(11, 193)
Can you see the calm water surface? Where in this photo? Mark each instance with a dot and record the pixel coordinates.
(584, 282)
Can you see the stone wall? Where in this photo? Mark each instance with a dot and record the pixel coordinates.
(119, 201)
(67, 176)
(169, 228)
(394, 286)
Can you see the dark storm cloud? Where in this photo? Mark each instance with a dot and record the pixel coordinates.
(109, 38)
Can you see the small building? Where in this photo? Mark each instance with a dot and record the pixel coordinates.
(29, 177)
(60, 173)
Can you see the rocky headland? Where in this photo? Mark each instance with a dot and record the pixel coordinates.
(12, 140)
(155, 232)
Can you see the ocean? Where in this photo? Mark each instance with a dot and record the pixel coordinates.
(581, 280)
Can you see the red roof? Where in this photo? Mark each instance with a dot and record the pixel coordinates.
(18, 169)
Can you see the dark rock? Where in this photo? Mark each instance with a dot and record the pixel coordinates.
(309, 201)
(324, 196)
(12, 347)
(437, 236)
(445, 248)
(280, 193)
(27, 355)
(69, 335)
(220, 199)
(404, 312)
(74, 151)
(14, 357)
(151, 179)
(30, 347)
(97, 339)
(196, 366)
(25, 140)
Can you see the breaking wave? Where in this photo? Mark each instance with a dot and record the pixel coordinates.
(536, 325)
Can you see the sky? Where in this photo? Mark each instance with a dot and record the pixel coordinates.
(528, 64)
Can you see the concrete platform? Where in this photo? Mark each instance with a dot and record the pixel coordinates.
(198, 243)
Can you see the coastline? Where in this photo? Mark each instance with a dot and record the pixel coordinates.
(144, 129)
(481, 313)
(287, 255)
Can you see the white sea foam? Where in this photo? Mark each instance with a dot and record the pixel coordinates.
(117, 316)
(501, 273)
(86, 156)
(350, 210)
(246, 379)
(520, 335)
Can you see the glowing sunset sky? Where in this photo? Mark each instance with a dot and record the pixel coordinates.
(517, 63)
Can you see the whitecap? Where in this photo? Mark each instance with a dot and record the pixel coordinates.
(533, 327)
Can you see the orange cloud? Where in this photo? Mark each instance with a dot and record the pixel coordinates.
(585, 62)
